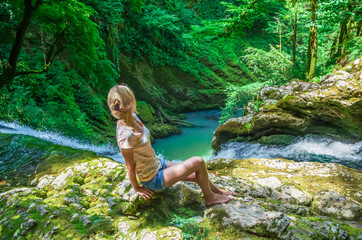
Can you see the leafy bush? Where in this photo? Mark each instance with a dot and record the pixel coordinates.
(270, 66)
(237, 97)
(59, 101)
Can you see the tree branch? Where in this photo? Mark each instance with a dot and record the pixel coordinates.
(280, 54)
(49, 55)
(46, 67)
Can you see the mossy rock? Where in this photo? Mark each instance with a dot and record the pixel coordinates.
(282, 139)
(163, 130)
(145, 112)
(331, 108)
(91, 198)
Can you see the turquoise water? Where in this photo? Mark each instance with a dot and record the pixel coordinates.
(197, 142)
(192, 141)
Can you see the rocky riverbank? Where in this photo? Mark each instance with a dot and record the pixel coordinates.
(83, 196)
(331, 108)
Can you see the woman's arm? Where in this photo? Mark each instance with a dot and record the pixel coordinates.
(140, 190)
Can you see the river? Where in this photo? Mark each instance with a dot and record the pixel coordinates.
(197, 142)
(192, 141)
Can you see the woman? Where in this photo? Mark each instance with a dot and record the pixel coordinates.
(154, 174)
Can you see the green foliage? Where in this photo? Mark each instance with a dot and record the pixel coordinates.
(270, 66)
(354, 48)
(101, 36)
(59, 101)
(237, 97)
(190, 227)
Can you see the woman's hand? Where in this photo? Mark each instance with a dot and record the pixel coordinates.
(144, 192)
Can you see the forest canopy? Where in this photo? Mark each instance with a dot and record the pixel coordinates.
(63, 56)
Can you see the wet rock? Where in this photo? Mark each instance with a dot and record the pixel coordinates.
(270, 194)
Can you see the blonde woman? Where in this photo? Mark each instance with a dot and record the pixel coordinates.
(141, 161)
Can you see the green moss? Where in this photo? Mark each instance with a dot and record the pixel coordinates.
(355, 232)
(163, 130)
(145, 112)
(248, 127)
(280, 139)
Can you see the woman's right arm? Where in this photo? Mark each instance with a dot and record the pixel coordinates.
(140, 190)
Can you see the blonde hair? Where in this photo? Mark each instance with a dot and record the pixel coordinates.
(121, 102)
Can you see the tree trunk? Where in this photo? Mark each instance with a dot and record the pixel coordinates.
(313, 44)
(346, 37)
(295, 32)
(334, 46)
(359, 28)
(341, 35)
(10, 70)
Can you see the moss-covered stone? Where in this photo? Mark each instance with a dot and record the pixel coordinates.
(331, 108)
(282, 139)
(91, 198)
(145, 112)
(163, 130)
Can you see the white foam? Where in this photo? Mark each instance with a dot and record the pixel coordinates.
(309, 148)
(57, 138)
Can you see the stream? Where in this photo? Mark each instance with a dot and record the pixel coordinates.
(197, 142)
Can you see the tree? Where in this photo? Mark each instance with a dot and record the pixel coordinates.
(62, 24)
(9, 67)
(312, 43)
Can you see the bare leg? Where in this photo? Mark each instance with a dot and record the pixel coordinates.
(195, 165)
(214, 188)
(192, 178)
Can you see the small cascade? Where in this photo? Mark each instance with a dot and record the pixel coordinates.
(57, 138)
(307, 149)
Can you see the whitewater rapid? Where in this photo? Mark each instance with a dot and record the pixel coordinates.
(303, 149)
(307, 149)
(105, 150)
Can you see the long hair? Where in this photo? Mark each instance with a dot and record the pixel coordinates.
(122, 102)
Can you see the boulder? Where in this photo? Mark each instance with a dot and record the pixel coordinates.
(331, 108)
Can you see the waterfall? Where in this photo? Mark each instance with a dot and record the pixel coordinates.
(57, 138)
(307, 149)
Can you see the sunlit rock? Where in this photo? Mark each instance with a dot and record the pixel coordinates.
(331, 108)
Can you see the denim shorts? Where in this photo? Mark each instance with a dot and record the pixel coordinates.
(157, 182)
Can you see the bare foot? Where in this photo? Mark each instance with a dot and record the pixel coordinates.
(217, 199)
(226, 192)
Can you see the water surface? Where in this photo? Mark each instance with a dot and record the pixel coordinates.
(192, 141)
